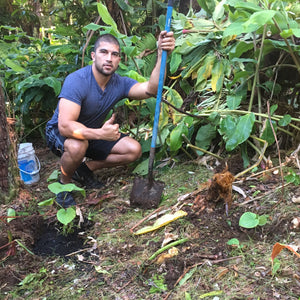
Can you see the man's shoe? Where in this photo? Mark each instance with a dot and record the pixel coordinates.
(86, 177)
(65, 199)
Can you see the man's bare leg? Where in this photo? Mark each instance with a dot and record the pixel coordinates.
(72, 157)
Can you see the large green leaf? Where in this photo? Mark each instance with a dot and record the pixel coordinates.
(176, 136)
(233, 101)
(257, 20)
(106, 17)
(204, 136)
(207, 5)
(14, 66)
(219, 10)
(241, 132)
(57, 187)
(92, 26)
(235, 28)
(249, 220)
(290, 32)
(53, 83)
(245, 5)
(285, 120)
(176, 59)
(142, 168)
(240, 48)
(65, 216)
(124, 6)
(268, 134)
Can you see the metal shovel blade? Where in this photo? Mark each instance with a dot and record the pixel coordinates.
(146, 193)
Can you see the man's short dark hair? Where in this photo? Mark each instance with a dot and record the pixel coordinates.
(108, 38)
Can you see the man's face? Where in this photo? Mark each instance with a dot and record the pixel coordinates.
(106, 58)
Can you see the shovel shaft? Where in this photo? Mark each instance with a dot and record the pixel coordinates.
(159, 91)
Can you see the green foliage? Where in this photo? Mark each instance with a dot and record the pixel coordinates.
(157, 284)
(234, 242)
(220, 56)
(32, 76)
(292, 177)
(11, 213)
(275, 266)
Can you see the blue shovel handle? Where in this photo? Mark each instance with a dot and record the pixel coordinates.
(159, 90)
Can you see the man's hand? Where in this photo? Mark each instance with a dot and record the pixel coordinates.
(109, 130)
(143, 90)
(166, 41)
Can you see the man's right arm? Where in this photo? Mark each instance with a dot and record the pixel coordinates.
(69, 126)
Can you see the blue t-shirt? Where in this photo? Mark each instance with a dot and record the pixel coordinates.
(81, 87)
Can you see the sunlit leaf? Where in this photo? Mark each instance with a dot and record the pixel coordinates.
(11, 213)
(249, 220)
(233, 241)
(100, 270)
(250, 6)
(210, 294)
(258, 19)
(162, 221)
(207, 5)
(46, 202)
(106, 17)
(16, 67)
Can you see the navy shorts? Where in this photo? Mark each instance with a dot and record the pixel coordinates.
(97, 149)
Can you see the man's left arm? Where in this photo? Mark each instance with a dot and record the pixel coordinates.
(147, 89)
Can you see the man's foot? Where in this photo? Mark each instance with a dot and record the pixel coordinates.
(65, 199)
(86, 177)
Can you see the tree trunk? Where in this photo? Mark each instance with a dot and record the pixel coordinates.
(4, 146)
(9, 171)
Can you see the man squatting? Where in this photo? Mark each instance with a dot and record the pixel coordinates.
(78, 129)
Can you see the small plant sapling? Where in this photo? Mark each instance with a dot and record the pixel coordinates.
(64, 215)
(251, 220)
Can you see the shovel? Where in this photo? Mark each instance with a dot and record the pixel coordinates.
(146, 192)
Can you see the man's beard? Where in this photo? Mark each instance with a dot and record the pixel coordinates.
(104, 73)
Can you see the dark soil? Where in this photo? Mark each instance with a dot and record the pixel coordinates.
(111, 263)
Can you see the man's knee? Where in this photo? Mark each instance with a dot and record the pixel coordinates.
(129, 147)
(137, 151)
(76, 147)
